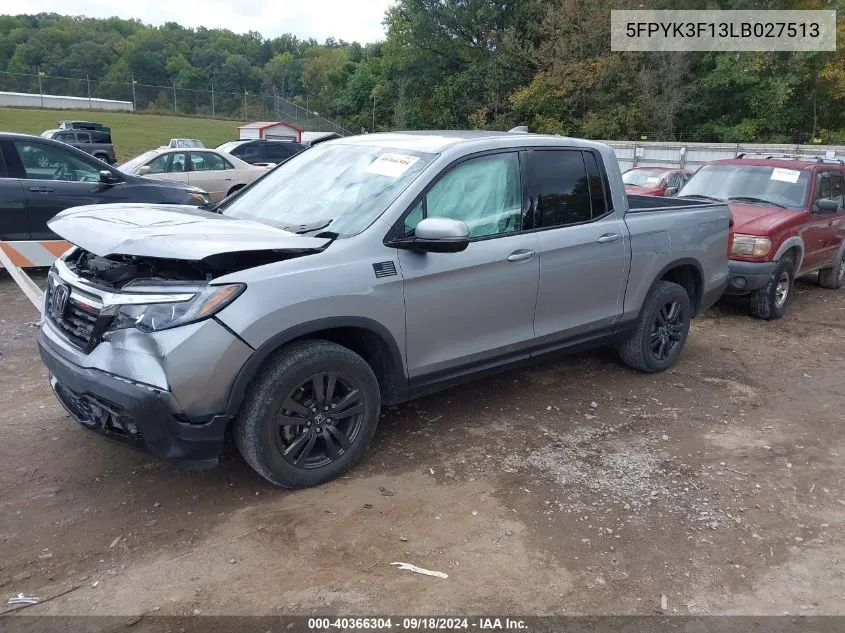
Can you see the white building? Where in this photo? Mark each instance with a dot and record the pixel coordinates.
(28, 100)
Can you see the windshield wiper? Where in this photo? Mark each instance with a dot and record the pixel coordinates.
(697, 195)
(302, 229)
(757, 200)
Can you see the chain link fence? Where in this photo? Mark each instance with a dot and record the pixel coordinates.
(171, 99)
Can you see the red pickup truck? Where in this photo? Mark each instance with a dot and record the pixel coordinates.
(789, 221)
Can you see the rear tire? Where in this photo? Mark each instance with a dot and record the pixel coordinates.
(769, 302)
(661, 330)
(309, 416)
(234, 189)
(834, 276)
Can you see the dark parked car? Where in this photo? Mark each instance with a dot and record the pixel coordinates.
(40, 177)
(261, 151)
(92, 138)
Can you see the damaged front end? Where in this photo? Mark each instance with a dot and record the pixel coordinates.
(129, 334)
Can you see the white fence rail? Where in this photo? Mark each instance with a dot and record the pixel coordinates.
(692, 155)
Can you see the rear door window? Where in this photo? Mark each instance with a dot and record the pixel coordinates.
(278, 151)
(560, 187)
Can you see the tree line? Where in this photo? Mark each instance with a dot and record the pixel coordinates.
(483, 64)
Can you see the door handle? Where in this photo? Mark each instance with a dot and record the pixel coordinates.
(609, 237)
(41, 189)
(521, 255)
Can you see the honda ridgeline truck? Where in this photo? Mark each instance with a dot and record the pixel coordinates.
(366, 271)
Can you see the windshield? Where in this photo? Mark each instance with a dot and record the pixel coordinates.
(756, 183)
(340, 189)
(228, 147)
(643, 177)
(186, 142)
(131, 166)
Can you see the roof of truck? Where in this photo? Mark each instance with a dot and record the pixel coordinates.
(773, 162)
(436, 141)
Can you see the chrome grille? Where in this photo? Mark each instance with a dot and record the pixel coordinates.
(81, 323)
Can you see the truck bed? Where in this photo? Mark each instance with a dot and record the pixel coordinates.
(639, 204)
(695, 231)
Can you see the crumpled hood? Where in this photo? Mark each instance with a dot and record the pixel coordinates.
(759, 219)
(171, 232)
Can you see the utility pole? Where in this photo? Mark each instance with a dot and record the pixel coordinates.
(134, 107)
(174, 96)
(374, 111)
(212, 99)
(246, 118)
(88, 83)
(40, 91)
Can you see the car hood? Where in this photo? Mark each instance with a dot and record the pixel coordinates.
(758, 219)
(641, 191)
(171, 232)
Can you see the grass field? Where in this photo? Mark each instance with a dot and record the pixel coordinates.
(131, 133)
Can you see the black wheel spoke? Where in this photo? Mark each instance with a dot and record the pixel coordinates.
(289, 420)
(330, 388)
(297, 407)
(349, 405)
(318, 384)
(331, 447)
(340, 436)
(306, 452)
(655, 336)
(674, 312)
(300, 441)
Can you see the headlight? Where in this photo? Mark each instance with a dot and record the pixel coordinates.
(201, 198)
(153, 317)
(751, 246)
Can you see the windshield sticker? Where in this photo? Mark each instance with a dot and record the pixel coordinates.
(653, 179)
(391, 165)
(785, 175)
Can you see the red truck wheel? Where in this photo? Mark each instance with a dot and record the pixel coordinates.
(769, 302)
(834, 276)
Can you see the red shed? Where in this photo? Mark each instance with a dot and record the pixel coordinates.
(270, 130)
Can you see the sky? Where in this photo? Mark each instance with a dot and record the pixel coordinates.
(350, 20)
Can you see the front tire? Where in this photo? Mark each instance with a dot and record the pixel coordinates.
(833, 277)
(769, 302)
(309, 416)
(661, 331)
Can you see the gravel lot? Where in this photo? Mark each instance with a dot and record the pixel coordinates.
(575, 487)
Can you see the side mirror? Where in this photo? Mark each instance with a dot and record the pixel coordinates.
(143, 170)
(670, 191)
(825, 206)
(437, 235)
(108, 177)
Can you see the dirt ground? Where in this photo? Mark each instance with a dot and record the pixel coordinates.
(575, 487)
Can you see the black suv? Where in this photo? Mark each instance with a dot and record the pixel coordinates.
(40, 177)
(261, 151)
(87, 136)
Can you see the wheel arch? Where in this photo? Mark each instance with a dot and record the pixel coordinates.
(687, 273)
(366, 337)
(793, 243)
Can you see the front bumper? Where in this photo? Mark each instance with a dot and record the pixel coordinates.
(133, 413)
(746, 277)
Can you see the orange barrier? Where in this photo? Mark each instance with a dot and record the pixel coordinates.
(34, 253)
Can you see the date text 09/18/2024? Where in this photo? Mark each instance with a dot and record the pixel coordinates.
(417, 624)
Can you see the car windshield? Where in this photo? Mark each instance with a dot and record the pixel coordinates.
(131, 166)
(340, 189)
(751, 183)
(228, 147)
(643, 177)
(186, 142)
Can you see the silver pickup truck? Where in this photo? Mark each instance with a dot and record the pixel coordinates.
(366, 271)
